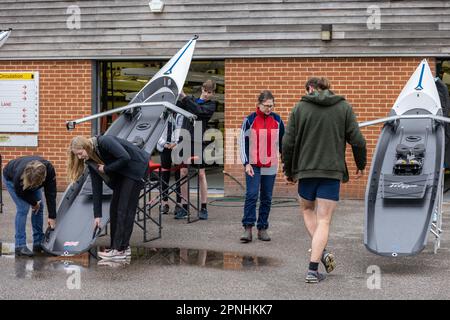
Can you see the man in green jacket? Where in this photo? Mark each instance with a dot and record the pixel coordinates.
(313, 154)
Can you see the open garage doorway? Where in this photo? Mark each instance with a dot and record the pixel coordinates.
(120, 81)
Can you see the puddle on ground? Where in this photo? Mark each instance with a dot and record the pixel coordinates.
(141, 256)
(202, 258)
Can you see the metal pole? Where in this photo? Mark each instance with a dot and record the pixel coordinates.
(188, 196)
(160, 201)
(146, 207)
(408, 116)
(1, 185)
(95, 126)
(198, 191)
(104, 94)
(111, 74)
(72, 123)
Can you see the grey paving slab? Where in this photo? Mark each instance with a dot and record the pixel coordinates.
(205, 260)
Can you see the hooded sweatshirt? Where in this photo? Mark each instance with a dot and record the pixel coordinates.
(314, 144)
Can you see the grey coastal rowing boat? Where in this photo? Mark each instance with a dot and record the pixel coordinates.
(141, 122)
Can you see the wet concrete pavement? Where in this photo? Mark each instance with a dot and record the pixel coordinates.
(205, 260)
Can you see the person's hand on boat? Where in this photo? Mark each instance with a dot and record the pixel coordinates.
(249, 170)
(97, 222)
(101, 168)
(359, 174)
(52, 223)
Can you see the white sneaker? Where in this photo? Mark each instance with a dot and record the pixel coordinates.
(127, 251)
(112, 255)
(115, 264)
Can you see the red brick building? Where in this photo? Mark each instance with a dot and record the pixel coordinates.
(371, 85)
(65, 92)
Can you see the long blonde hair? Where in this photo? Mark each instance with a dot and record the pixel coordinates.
(33, 175)
(75, 166)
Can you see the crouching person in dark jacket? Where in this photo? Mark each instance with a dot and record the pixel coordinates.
(124, 165)
(24, 179)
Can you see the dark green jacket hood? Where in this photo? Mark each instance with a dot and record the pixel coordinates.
(319, 128)
(324, 98)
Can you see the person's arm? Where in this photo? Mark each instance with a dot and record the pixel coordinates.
(162, 140)
(50, 191)
(178, 125)
(288, 143)
(23, 194)
(121, 156)
(202, 111)
(281, 132)
(244, 142)
(97, 191)
(355, 138)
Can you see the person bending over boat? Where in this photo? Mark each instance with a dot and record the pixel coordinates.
(125, 166)
(319, 127)
(24, 178)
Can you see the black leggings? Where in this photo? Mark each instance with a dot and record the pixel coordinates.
(166, 163)
(122, 210)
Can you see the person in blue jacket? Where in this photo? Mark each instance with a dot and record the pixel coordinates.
(24, 178)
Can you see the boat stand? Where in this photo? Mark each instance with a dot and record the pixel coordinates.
(436, 224)
(144, 210)
(172, 191)
(145, 216)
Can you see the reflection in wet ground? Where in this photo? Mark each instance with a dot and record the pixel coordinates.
(201, 258)
(31, 267)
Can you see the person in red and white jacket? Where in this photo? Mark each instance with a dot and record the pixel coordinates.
(260, 142)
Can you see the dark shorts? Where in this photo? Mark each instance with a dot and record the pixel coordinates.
(195, 157)
(323, 188)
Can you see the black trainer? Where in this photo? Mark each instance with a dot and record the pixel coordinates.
(181, 214)
(164, 209)
(329, 261)
(23, 252)
(314, 277)
(203, 215)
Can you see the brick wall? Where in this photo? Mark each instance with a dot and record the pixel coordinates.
(371, 85)
(64, 94)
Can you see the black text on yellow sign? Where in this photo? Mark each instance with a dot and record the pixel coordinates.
(17, 76)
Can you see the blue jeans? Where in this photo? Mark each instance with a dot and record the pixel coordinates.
(262, 184)
(22, 208)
